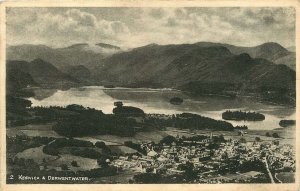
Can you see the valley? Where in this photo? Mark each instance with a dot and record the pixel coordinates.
(104, 114)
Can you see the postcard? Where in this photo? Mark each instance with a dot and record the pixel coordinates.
(149, 95)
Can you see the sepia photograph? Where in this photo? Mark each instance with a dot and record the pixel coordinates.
(150, 95)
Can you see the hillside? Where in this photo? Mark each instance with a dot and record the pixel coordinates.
(201, 68)
(79, 72)
(196, 69)
(92, 56)
(162, 66)
(74, 55)
(271, 51)
(37, 73)
(175, 65)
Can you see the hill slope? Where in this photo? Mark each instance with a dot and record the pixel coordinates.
(175, 65)
(271, 51)
(38, 73)
(197, 69)
(74, 55)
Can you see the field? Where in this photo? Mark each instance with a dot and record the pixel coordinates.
(94, 140)
(236, 176)
(123, 177)
(139, 137)
(83, 163)
(33, 130)
(37, 155)
(121, 149)
(286, 177)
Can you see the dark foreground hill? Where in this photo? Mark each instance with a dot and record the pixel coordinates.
(36, 73)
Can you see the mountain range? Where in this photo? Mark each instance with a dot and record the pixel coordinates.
(74, 55)
(202, 67)
(175, 65)
(271, 51)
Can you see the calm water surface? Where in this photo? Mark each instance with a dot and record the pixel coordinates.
(157, 101)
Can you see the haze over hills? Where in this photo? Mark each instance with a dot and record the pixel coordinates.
(74, 55)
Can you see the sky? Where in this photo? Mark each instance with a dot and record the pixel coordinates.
(134, 27)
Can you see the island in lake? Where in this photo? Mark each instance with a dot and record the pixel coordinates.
(287, 123)
(242, 115)
(176, 101)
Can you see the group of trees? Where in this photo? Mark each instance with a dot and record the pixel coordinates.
(93, 122)
(189, 121)
(274, 135)
(287, 123)
(22, 142)
(242, 127)
(241, 115)
(86, 153)
(16, 111)
(147, 178)
(80, 148)
(135, 146)
(194, 121)
(217, 88)
(52, 147)
(128, 111)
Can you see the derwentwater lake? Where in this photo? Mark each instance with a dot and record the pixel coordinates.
(157, 101)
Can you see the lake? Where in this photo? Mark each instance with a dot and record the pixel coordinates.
(157, 101)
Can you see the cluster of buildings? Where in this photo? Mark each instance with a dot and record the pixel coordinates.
(210, 163)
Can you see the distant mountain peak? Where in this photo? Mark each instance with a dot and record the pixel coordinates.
(273, 46)
(109, 46)
(152, 44)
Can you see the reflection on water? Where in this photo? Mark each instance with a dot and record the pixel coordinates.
(157, 101)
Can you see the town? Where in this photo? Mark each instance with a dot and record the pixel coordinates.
(210, 159)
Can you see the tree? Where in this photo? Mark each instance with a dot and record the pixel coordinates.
(168, 140)
(275, 135)
(118, 104)
(243, 140)
(102, 161)
(268, 134)
(74, 163)
(64, 167)
(257, 139)
(147, 178)
(100, 144)
(276, 142)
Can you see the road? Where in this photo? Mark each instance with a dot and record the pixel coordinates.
(267, 167)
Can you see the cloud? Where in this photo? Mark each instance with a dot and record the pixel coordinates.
(131, 27)
(82, 18)
(59, 29)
